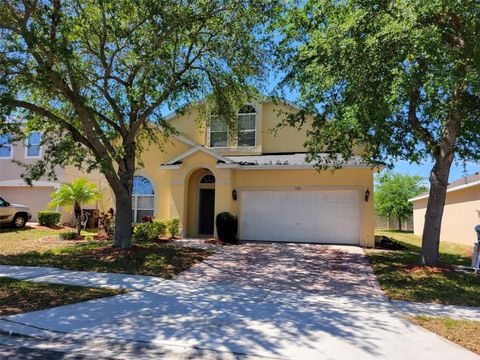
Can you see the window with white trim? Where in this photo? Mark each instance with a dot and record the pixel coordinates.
(5, 146)
(143, 198)
(247, 126)
(33, 145)
(218, 131)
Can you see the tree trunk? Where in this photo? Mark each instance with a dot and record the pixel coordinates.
(123, 221)
(400, 224)
(77, 211)
(433, 217)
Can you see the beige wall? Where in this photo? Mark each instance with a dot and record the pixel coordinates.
(460, 215)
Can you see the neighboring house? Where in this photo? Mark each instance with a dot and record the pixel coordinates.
(14, 189)
(262, 178)
(460, 214)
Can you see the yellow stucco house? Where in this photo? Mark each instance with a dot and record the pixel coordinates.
(460, 214)
(261, 177)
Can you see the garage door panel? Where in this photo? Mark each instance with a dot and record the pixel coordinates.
(36, 198)
(324, 216)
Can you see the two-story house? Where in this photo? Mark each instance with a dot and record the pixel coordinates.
(14, 189)
(261, 177)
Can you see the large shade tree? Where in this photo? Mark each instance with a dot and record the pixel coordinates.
(96, 75)
(399, 77)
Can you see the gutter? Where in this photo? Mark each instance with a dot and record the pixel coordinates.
(456, 188)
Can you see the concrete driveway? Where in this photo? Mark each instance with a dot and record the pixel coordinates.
(254, 300)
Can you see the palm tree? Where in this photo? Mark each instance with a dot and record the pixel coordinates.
(76, 193)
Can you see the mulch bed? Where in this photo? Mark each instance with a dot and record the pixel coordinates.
(386, 243)
(421, 269)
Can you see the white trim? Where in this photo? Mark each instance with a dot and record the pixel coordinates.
(193, 150)
(456, 188)
(135, 198)
(26, 145)
(21, 182)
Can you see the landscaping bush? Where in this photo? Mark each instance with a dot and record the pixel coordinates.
(48, 218)
(149, 230)
(173, 226)
(88, 238)
(106, 223)
(67, 235)
(227, 226)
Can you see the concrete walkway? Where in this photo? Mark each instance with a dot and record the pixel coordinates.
(438, 310)
(257, 318)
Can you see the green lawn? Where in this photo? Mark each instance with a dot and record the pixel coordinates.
(19, 296)
(152, 258)
(402, 277)
(463, 332)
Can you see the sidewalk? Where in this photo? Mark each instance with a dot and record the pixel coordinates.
(438, 310)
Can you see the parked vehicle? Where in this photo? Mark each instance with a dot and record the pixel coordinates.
(14, 214)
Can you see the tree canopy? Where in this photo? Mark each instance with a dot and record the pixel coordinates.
(401, 78)
(96, 75)
(392, 192)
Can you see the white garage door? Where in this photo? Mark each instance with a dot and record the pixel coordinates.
(320, 216)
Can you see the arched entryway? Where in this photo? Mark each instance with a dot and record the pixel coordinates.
(201, 203)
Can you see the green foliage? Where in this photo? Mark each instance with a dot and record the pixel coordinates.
(78, 191)
(149, 231)
(88, 237)
(48, 218)
(401, 78)
(67, 235)
(106, 223)
(227, 227)
(94, 76)
(392, 192)
(173, 226)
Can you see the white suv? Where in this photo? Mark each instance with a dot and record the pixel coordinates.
(14, 214)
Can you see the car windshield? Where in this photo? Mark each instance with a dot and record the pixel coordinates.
(2, 202)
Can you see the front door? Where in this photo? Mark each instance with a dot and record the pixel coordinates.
(206, 211)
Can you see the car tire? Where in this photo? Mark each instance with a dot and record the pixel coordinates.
(19, 221)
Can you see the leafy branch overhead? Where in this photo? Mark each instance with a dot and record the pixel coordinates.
(95, 76)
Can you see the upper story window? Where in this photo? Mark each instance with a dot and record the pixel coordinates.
(247, 125)
(33, 149)
(6, 146)
(218, 132)
(246, 128)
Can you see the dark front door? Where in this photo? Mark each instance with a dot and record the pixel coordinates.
(207, 208)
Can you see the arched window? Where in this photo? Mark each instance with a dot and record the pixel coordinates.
(208, 179)
(247, 125)
(143, 198)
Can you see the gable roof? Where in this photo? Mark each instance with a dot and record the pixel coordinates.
(196, 148)
(463, 183)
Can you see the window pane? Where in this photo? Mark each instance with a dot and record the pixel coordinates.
(33, 150)
(246, 122)
(217, 124)
(34, 139)
(142, 186)
(218, 139)
(5, 150)
(145, 202)
(142, 213)
(246, 138)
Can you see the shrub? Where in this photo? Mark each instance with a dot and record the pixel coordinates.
(48, 218)
(173, 226)
(88, 237)
(106, 223)
(148, 219)
(149, 231)
(227, 226)
(67, 235)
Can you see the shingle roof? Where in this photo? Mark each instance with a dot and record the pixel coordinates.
(470, 180)
(298, 159)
